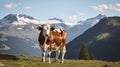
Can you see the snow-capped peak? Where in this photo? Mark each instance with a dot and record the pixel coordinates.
(100, 16)
(17, 19)
(24, 16)
(82, 26)
(94, 20)
(24, 19)
(56, 19)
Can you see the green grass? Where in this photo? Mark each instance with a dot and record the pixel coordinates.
(33, 61)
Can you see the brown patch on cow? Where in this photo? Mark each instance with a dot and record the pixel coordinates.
(59, 38)
(41, 38)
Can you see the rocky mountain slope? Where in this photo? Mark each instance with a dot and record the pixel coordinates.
(102, 40)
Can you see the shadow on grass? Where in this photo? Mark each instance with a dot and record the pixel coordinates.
(8, 57)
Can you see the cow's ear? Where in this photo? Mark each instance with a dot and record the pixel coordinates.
(52, 28)
(39, 27)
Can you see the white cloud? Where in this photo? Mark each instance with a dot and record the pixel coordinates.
(104, 7)
(73, 17)
(27, 7)
(101, 7)
(76, 17)
(10, 5)
(117, 7)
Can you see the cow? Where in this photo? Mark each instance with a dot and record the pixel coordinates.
(52, 39)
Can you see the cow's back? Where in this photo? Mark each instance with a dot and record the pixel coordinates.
(58, 37)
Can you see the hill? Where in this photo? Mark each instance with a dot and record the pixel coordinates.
(103, 40)
(33, 61)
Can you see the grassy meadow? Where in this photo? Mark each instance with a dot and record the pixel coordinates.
(33, 61)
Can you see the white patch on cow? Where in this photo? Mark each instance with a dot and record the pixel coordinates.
(49, 53)
(46, 29)
(43, 56)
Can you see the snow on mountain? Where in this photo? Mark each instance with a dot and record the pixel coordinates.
(82, 26)
(25, 22)
(59, 23)
(21, 19)
(56, 19)
(17, 19)
(19, 24)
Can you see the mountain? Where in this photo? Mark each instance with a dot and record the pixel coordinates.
(60, 20)
(59, 23)
(17, 19)
(103, 40)
(19, 34)
(82, 26)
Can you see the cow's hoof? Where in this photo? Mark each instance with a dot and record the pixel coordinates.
(61, 62)
(43, 61)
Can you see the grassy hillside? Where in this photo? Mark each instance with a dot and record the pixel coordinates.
(33, 61)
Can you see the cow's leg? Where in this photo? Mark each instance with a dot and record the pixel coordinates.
(43, 56)
(49, 55)
(57, 55)
(63, 54)
(43, 53)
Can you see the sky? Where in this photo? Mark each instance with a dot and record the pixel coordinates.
(67, 10)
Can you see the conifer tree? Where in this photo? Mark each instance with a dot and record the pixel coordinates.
(84, 52)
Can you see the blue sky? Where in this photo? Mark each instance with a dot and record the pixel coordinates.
(68, 10)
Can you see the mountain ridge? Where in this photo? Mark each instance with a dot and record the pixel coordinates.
(102, 40)
(83, 26)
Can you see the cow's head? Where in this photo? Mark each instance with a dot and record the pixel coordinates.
(45, 28)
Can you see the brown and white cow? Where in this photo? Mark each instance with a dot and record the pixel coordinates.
(52, 39)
